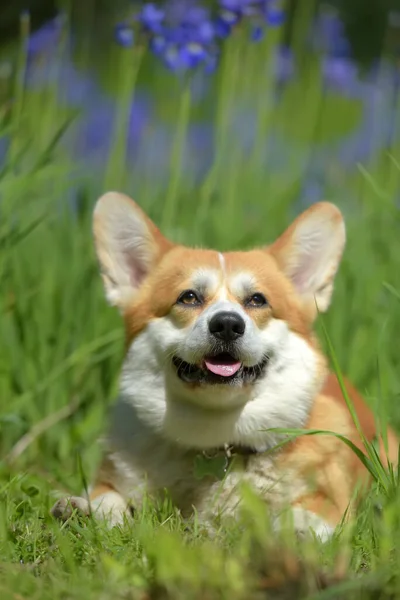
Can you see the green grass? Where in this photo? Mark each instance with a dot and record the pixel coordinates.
(62, 346)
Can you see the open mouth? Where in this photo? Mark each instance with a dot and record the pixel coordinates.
(222, 368)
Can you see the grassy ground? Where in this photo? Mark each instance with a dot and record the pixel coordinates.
(62, 346)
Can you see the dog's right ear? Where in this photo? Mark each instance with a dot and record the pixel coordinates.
(128, 245)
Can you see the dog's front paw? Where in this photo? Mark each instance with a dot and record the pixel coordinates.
(307, 522)
(64, 507)
(304, 523)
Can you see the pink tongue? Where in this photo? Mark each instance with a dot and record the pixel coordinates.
(223, 366)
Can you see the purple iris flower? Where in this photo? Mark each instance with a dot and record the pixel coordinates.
(274, 13)
(284, 64)
(183, 35)
(232, 11)
(257, 33)
(47, 37)
(181, 48)
(124, 35)
(158, 44)
(186, 13)
(328, 35)
(90, 136)
(224, 23)
(74, 87)
(243, 7)
(211, 62)
(312, 191)
(199, 154)
(151, 17)
(157, 144)
(340, 72)
(261, 12)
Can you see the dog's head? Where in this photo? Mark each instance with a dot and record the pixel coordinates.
(220, 332)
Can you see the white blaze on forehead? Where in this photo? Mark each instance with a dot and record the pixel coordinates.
(221, 258)
(223, 294)
(242, 284)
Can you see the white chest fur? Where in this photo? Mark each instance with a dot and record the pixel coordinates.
(143, 462)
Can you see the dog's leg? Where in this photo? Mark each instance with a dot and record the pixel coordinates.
(306, 523)
(64, 507)
(313, 514)
(104, 503)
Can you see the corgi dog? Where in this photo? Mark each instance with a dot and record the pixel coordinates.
(220, 353)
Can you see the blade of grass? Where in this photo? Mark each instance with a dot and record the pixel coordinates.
(116, 165)
(177, 156)
(68, 363)
(19, 89)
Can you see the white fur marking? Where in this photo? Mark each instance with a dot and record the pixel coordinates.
(223, 294)
(242, 284)
(206, 280)
(222, 263)
(305, 520)
(110, 506)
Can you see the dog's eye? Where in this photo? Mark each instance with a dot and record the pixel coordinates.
(256, 300)
(189, 298)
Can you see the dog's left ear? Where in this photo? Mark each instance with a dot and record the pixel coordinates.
(309, 252)
(128, 245)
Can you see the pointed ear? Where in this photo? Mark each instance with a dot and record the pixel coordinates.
(310, 250)
(128, 245)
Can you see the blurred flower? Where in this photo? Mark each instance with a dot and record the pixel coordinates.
(275, 13)
(257, 33)
(91, 136)
(199, 155)
(74, 86)
(184, 35)
(328, 37)
(47, 65)
(47, 37)
(328, 34)
(339, 72)
(230, 13)
(261, 12)
(88, 137)
(312, 191)
(284, 64)
(124, 35)
(156, 147)
(151, 18)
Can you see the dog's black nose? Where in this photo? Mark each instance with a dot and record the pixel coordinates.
(227, 326)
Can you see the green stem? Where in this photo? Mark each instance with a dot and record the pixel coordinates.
(114, 176)
(177, 157)
(222, 120)
(19, 88)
